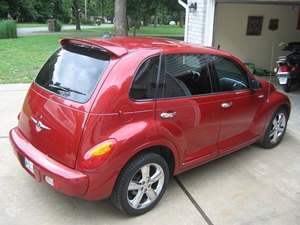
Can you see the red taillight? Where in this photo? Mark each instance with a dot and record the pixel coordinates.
(97, 155)
(284, 69)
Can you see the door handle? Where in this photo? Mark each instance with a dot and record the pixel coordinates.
(167, 115)
(226, 105)
(261, 96)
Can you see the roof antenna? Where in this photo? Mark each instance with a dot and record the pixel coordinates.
(219, 47)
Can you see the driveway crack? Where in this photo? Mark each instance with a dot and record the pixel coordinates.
(191, 198)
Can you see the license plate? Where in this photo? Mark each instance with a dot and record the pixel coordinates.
(282, 80)
(29, 165)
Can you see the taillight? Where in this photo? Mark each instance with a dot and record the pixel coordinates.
(284, 69)
(97, 155)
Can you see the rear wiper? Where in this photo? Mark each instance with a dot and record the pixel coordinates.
(65, 89)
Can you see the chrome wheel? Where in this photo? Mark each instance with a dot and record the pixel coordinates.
(278, 127)
(145, 186)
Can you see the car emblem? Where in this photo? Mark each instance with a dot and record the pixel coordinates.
(39, 124)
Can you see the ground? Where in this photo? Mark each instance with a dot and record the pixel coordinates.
(253, 186)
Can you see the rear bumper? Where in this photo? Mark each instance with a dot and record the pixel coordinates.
(69, 181)
(289, 75)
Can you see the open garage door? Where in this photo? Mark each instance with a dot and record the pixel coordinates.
(279, 23)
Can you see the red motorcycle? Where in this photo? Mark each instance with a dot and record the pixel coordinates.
(288, 67)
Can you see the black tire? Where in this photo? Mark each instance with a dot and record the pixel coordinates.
(287, 87)
(120, 194)
(266, 142)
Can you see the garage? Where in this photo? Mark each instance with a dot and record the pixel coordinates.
(252, 30)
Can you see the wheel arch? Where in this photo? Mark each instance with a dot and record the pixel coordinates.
(165, 149)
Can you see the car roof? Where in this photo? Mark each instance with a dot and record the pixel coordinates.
(120, 46)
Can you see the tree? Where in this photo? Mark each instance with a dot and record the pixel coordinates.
(121, 17)
(3, 9)
(76, 13)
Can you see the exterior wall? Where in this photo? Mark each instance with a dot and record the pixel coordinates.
(200, 22)
(231, 26)
(196, 22)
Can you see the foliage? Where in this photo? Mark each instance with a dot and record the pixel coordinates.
(58, 26)
(35, 10)
(8, 29)
(153, 12)
(3, 8)
(148, 11)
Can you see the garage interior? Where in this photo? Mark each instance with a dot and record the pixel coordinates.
(231, 26)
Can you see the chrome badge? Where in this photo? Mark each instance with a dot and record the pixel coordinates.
(39, 124)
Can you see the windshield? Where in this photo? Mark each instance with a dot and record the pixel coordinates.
(73, 72)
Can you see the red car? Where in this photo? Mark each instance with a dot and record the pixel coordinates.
(118, 117)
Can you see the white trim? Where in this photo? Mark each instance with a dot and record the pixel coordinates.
(186, 25)
(209, 22)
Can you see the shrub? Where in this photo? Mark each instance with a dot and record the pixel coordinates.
(58, 26)
(87, 21)
(54, 25)
(8, 29)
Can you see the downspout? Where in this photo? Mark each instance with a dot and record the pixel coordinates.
(184, 5)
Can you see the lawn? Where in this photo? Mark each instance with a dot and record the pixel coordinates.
(22, 58)
(25, 25)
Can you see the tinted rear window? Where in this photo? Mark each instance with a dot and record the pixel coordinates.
(73, 72)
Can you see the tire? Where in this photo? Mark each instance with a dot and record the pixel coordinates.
(136, 201)
(269, 140)
(287, 87)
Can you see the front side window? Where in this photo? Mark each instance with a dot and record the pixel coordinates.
(184, 75)
(230, 77)
(73, 72)
(144, 83)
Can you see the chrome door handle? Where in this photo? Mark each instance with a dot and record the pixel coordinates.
(261, 96)
(167, 115)
(226, 105)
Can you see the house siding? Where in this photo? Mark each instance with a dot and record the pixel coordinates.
(196, 22)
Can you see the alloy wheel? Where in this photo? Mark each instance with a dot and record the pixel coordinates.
(278, 127)
(145, 186)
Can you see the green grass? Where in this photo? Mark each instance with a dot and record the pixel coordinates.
(25, 25)
(163, 30)
(22, 58)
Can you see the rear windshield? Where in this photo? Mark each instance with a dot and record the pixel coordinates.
(73, 72)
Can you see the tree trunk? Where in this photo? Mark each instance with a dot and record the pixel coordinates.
(181, 18)
(76, 14)
(155, 22)
(146, 20)
(121, 18)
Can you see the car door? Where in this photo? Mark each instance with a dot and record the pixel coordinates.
(239, 103)
(187, 111)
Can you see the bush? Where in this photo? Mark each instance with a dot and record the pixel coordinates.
(58, 26)
(54, 25)
(87, 21)
(8, 29)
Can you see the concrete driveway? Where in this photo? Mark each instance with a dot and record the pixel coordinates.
(252, 186)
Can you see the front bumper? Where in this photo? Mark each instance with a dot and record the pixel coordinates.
(69, 181)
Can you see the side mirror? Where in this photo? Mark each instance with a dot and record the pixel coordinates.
(255, 84)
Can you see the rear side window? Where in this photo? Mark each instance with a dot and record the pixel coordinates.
(144, 83)
(230, 76)
(184, 75)
(73, 72)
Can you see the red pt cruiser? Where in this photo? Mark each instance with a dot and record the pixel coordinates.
(118, 117)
